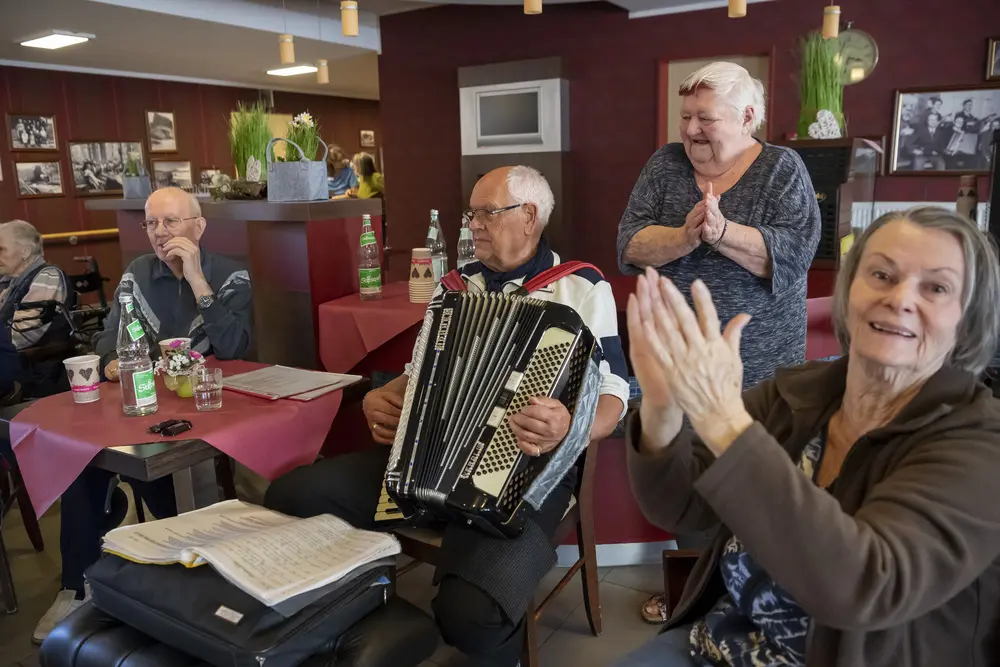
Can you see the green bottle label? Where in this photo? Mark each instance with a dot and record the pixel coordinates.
(135, 330)
(145, 388)
(370, 279)
(368, 238)
(129, 307)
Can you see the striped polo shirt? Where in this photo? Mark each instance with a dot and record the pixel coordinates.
(585, 291)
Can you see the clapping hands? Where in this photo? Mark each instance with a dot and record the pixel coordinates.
(683, 360)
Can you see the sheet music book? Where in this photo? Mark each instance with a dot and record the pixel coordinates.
(276, 382)
(268, 555)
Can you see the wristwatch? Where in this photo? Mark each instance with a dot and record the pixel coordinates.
(205, 302)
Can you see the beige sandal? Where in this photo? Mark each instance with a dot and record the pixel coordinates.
(654, 611)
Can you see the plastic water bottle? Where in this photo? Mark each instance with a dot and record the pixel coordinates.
(466, 246)
(439, 252)
(135, 369)
(369, 268)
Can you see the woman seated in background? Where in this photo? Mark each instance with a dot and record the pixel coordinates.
(855, 500)
(340, 176)
(370, 182)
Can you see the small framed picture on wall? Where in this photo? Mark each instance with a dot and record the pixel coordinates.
(945, 130)
(161, 131)
(38, 179)
(368, 138)
(172, 174)
(31, 132)
(98, 167)
(993, 60)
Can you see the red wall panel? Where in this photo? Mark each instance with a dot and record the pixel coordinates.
(612, 67)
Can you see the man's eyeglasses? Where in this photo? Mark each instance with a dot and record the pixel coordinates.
(485, 215)
(172, 224)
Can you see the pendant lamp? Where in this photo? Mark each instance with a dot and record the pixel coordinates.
(286, 47)
(831, 22)
(322, 72)
(349, 17)
(737, 9)
(532, 6)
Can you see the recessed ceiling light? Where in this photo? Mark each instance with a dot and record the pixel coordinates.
(292, 70)
(57, 39)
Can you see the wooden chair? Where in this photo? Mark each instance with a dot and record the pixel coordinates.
(423, 545)
(677, 567)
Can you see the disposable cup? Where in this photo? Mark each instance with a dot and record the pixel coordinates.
(84, 377)
(165, 344)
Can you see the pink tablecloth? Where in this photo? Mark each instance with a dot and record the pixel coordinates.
(350, 328)
(54, 439)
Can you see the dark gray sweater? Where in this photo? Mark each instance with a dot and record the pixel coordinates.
(775, 196)
(167, 308)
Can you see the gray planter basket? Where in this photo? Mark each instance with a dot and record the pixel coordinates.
(301, 180)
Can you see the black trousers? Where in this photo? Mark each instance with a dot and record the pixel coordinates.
(349, 486)
(82, 522)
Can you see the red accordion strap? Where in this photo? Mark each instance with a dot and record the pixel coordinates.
(453, 279)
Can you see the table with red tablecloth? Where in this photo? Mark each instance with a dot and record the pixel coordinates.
(353, 332)
(54, 439)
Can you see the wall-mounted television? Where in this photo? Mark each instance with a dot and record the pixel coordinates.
(521, 117)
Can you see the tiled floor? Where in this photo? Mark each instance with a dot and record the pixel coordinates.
(564, 632)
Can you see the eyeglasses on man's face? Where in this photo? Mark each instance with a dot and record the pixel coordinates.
(485, 215)
(172, 224)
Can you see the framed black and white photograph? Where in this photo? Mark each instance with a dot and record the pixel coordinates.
(31, 132)
(368, 138)
(945, 131)
(99, 166)
(993, 60)
(38, 179)
(206, 174)
(172, 173)
(161, 131)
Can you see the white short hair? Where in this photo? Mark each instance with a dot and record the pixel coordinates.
(733, 85)
(25, 235)
(526, 185)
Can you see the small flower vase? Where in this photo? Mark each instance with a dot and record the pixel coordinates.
(180, 385)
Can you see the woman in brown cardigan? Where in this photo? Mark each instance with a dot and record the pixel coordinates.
(856, 501)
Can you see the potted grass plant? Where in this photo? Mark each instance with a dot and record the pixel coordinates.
(135, 180)
(304, 132)
(249, 135)
(820, 87)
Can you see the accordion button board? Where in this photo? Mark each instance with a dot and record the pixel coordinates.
(479, 360)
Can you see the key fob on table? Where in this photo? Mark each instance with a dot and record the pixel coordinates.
(177, 428)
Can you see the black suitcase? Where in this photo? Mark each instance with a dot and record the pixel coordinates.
(200, 613)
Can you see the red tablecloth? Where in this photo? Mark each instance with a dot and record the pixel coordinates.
(349, 328)
(54, 438)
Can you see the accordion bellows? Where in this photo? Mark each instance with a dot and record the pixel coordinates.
(478, 360)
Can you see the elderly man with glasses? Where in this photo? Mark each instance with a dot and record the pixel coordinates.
(179, 291)
(485, 584)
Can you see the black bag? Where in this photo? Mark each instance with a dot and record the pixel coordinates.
(200, 613)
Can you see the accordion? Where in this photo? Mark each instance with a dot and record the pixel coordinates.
(478, 360)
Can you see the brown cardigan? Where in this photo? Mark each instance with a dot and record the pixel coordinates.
(897, 565)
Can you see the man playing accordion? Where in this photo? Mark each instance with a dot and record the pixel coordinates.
(485, 583)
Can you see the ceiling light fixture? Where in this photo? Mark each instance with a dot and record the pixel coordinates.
(293, 70)
(322, 72)
(737, 9)
(831, 22)
(349, 17)
(286, 49)
(532, 6)
(56, 39)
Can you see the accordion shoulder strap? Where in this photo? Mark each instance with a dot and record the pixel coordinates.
(557, 272)
(453, 279)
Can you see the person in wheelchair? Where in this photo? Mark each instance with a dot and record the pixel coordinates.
(180, 290)
(27, 278)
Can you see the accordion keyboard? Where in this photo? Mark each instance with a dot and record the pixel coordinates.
(387, 510)
(548, 359)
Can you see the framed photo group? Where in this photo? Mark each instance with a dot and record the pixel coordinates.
(948, 129)
(96, 168)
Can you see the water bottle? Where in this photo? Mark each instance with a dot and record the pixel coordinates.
(435, 241)
(466, 246)
(369, 268)
(135, 368)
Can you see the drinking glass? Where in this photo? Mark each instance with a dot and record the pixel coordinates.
(207, 389)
